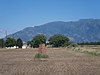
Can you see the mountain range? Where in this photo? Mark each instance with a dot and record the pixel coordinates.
(83, 30)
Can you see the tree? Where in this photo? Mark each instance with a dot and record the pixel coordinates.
(19, 43)
(2, 43)
(38, 39)
(10, 42)
(29, 43)
(58, 40)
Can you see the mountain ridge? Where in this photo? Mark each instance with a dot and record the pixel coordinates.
(83, 30)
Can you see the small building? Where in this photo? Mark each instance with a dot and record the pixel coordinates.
(24, 46)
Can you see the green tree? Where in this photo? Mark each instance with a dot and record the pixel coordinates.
(58, 40)
(10, 42)
(2, 43)
(19, 43)
(38, 39)
(30, 43)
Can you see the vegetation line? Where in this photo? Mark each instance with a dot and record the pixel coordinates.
(94, 53)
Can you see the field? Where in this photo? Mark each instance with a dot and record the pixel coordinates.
(61, 61)
(93, 50)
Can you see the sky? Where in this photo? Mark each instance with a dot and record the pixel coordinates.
(16, 15)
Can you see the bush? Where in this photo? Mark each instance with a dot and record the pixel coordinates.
(40, 55)
(44, 56)
(66, 44)
(73, 45)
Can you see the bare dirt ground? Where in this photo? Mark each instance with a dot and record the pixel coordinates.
(60, 62)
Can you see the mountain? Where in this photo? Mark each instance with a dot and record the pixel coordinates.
(77, 31)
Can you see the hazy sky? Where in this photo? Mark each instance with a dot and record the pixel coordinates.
(18, 14)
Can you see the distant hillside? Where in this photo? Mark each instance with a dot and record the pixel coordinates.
(78, 31)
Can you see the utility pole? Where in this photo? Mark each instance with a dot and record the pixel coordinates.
(6, 34)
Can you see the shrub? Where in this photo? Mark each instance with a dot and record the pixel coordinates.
(40, 55)
(44, 56)
(73, 45)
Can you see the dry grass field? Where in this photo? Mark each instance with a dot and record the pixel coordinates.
(93, 50)
(61, 61)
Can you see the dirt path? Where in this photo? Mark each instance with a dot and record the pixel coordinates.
(60, 62)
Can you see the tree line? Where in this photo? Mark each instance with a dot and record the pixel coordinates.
(11, 42)
(56, 40)
(89, 43)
